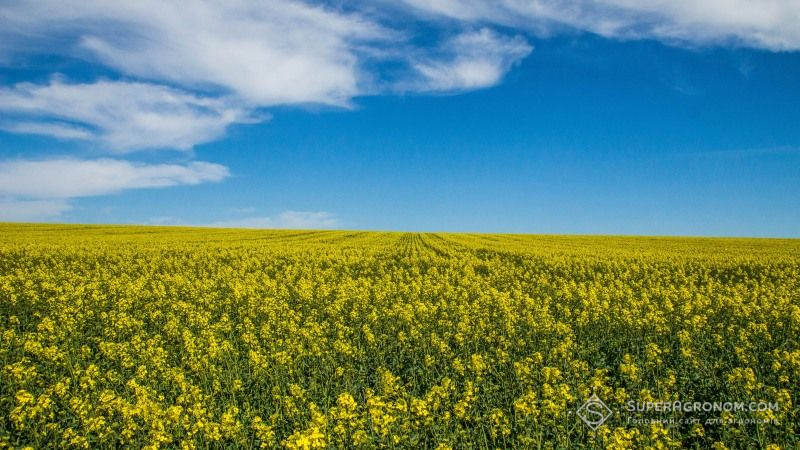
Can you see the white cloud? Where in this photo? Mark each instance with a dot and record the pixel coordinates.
(287, 220)
(15, 210)
(472, 60)
(121, 116)
(41, 190)
(268, 53)
(765, 24)
(71, 178)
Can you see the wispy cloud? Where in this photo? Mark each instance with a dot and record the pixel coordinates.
(286, 220)
(470, 60)
(268, 53)
(120, 116)
(767, 24)
(31, 190)
(70, 178)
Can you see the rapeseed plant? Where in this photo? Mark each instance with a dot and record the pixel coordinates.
(179, 338)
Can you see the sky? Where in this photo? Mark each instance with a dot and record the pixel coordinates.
(588, 117)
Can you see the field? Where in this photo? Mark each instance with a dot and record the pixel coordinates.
(211, 338)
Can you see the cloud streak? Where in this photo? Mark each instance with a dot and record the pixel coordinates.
(70, 178)
(34, 190)
(121, 116)
(767, 24)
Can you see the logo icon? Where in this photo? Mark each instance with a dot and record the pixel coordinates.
(594, 412)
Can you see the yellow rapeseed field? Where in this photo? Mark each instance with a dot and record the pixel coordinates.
(131, 337)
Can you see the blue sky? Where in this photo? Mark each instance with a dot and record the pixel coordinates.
(675, 118)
